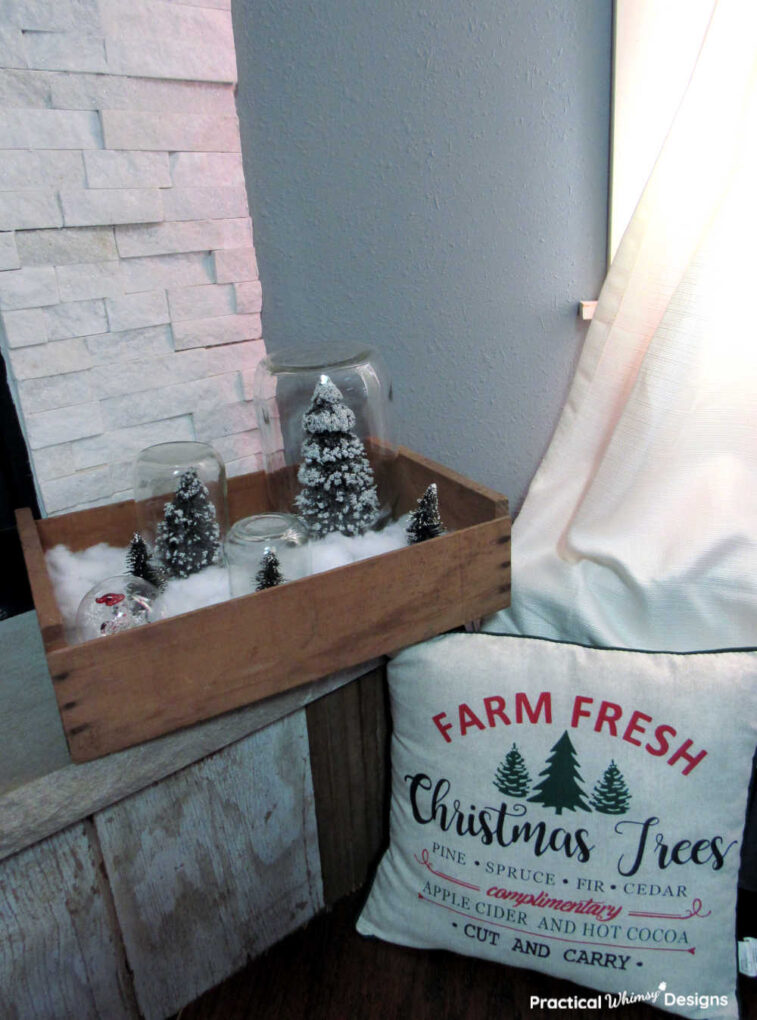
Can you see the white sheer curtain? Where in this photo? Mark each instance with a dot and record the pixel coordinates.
(640, 526)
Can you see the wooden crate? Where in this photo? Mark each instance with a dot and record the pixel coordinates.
(130, 687)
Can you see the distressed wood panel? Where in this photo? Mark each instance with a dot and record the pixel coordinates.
(214, 864)
(60, 954)
(48, 804)
(348, 733)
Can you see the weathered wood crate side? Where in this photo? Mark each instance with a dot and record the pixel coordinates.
(143, 683)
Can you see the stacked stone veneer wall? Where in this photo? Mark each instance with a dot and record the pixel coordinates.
(129, 293)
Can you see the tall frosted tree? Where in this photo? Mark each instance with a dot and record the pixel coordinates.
(611, 795)
(560, 787)
(338, 488)
(512, 776)
(188, 538)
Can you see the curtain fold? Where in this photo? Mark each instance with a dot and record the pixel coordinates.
(640, 526)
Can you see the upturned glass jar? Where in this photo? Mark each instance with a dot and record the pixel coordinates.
(283, 392)
(252, 537)
(180, 497)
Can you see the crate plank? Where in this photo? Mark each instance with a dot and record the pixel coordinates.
(214, 864)
(60, 952)
(349, 754)
(268, 642)
(44, 806)
(142, 684)
(48, 613)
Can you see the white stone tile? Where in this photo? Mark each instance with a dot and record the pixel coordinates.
(236, 234)
(20, 168)
(249, 296)
(124, 444)
(221, 5)
(248, 383)
(54, 461)
(8, 252)
(51, 15)
(135, 130)
(91, 452)
(206, 169)
(50, 129)
(151, 271)
(204, 203)
(86, 488)
(239, 357)
(235, 265)
(76, 319)
(66, 246)
(224, 421)
(127, 169)
(116, 348)
(89, 280)
(246, 466)
(169, 401)
(112, 92)
(23, 89)
(160, 40)
(12, 53)
(223, 329)
(177, 237)
(49, 392)
(65, 51)
(50, 359)
(133, 376)
(28, 288)
(239, 445)
(49, 428)
(85, 208)
(29, 208)
(200, 302)
(24, 328)
(134, 311)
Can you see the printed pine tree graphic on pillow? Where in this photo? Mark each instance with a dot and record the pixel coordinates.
(611, 795)
(560, 787)
(512, 776)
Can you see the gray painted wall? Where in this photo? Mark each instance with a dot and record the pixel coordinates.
(432, 178)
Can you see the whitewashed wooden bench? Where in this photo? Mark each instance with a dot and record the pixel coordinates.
(131, 884)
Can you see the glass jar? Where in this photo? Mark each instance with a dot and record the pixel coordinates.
(181, 505)
(283, 391)
(252, 537)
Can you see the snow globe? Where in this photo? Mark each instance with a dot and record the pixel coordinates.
(325, 425)
(117, 604)
(264, 550)
(181, 505)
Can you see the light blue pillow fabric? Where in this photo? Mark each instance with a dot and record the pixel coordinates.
(574, 810)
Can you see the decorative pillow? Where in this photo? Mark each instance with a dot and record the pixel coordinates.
(574, 810)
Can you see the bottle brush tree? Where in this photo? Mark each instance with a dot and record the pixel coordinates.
(425, 521)
(269, 574)
(139, 563)
(188, 538)
(338, 488)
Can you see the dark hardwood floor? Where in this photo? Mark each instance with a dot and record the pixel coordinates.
(327, 971)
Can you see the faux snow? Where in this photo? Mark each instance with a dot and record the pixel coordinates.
(73, 574)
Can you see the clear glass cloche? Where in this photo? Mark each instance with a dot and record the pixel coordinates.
(324, 414)
(181, 505)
